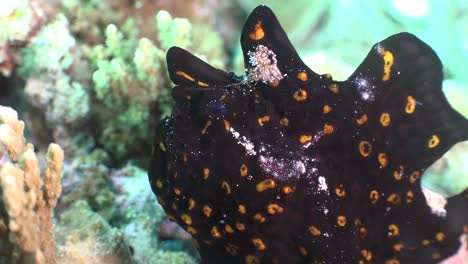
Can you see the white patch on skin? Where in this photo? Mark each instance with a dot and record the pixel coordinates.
(322, 184)
(242, 140)
(300, 167)
(280, 168)
(264, 64)
(284, 168)
(364, 89)
(317, 137)
(378, 48)
(271, 166)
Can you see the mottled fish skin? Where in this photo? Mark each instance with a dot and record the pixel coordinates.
(284, 165)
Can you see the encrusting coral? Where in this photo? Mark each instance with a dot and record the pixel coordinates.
(27, 200)
(84, 236)
(89, 181)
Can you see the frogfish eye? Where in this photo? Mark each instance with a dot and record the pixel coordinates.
(216, 109)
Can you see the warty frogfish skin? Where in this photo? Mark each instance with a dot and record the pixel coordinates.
(283, 165)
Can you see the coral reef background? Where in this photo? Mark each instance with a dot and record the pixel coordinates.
(90, 76)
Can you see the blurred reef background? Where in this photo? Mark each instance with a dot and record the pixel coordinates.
(90, 76)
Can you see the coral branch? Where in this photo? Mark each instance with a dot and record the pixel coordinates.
(26, 200)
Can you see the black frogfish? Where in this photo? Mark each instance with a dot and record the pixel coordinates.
(283, 165)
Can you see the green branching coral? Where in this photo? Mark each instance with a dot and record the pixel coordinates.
(126, 83)
(87, 18)
(50, 51)
(51, 67)
(130, 79)
(173, 31)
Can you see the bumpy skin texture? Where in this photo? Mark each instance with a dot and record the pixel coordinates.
(288, 166)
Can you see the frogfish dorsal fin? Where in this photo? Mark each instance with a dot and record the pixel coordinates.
(399, 88)
(188, 70)
(400, 124)
(263, 34)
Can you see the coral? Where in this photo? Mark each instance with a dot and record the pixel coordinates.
(130, 80)
(88, 17)
(27, 200)
(121, 88)
(173, 31)
(199, 39)
(19, 20)
(6, 59)
(120, 197)
(141, 216)
(85, 237)
(143, 219)
(50, 61)
(163, 257)
(87, 180)
(51, 50)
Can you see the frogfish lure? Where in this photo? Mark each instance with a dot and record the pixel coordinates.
(284, 165)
